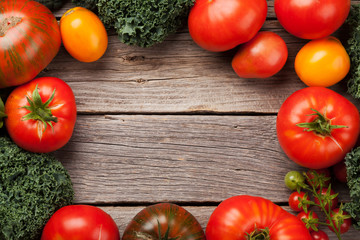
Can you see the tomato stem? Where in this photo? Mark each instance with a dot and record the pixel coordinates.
(320, 125)
(259, 234)
(38, 110)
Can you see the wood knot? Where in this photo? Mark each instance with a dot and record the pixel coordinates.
(133, 58)
(8, 23)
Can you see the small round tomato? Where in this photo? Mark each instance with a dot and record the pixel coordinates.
(41, 114)
(83, 34)
(316, 127)
(80, 222)
(295, 200)
(220, 25)
(340, 219)
(327, 198)
(311, 220)
(319, 235)
(294, 180)
(311, 19)
(322, 62)
(164, 221)
(318, 177)
(261, 57)
(340, 172)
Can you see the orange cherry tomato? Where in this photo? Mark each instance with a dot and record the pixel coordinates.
(83, 34)
(322, 62)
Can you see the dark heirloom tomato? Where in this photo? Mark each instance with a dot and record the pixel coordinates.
(164, 221)
(238, 216)
(29, 40)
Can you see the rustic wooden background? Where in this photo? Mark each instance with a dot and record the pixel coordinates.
(174, 123)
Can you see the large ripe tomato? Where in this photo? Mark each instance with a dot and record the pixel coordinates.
(261, 57)
(311, 19)
(322, 62)
(41, 114)
(238, 216)
(83, 34)
(317, 139)
(80, 222)
(220, 25)
(29, 40)
(161, 220)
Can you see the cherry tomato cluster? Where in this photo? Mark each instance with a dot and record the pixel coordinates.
(312, 190)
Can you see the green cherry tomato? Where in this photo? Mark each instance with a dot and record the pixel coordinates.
(294, 179)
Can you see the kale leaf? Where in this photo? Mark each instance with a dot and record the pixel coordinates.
(352, 162)
(139, 22)
(353, 49)
(32, 187)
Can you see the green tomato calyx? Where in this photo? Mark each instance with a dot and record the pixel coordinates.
(321, 125)
(40, 111)
(259, 234)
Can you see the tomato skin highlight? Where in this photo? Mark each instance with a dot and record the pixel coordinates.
(80, 222)
(309, 149)
(220, 25)
(261, 57)
(30, 44)
(322, 62)
(26, 133)
(83, 34)
(237, 216)
(311, 19)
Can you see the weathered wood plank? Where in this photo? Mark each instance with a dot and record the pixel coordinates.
(175, 76)
(123, 215)
(136, 159)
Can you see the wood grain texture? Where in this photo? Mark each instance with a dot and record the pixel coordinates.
(200, 159)
(123, 215)
(176, 76)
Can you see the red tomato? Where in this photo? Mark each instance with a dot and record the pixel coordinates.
(333, 201)
(311, 219)
(340, 171)
(295, 199)
(238, 216)
(317, 149)
(261, 57)
(29, 40)
(336, 215)
(174, 222)
(319, 235)
(220, 25)
(48, 123)
(317, 176)
(311, 19)
(80, 222)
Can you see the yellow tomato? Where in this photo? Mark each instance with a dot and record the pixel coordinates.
(83, 34)
(322, 62)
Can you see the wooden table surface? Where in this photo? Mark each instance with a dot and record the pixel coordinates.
(174, 123)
